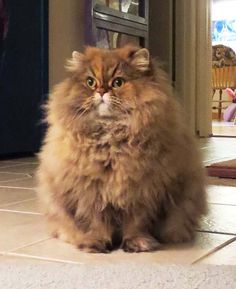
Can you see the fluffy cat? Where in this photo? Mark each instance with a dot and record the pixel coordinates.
(118, 165)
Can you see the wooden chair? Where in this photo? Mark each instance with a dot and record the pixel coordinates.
(222, 78)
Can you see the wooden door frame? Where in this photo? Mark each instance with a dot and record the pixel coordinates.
(193, 62)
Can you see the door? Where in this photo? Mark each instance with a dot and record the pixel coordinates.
(24, 76)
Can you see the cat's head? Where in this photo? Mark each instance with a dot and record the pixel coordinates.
(109, 82)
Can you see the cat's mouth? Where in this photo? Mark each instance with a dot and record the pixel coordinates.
(106, 106)
(103, 105)
(104, 110)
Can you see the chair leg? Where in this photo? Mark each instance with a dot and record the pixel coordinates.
(214, 91)
(220, 104)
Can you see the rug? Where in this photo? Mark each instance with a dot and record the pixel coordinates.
(226, 169)
(116, 276)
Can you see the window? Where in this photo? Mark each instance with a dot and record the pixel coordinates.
(224, 23)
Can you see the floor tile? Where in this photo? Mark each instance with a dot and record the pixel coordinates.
(223, 128)
(30, 206)
(5, 177)
(32, 159)
(225, 256)
(221, 219)
(217, 149)
(213, 160)
(25, 233)
(7, 163)
(20, 229)
(25, 168)
(27, 182)
(222, 195)
(56, 250)
(12, 195)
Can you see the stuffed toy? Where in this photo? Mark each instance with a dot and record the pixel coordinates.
(230, 111)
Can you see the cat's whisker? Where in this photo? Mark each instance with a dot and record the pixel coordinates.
(118, 103)
(115, 100)
(120, 106)
(82, 110)
(85, 111)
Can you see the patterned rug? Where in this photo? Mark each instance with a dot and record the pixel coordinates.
(226, 169)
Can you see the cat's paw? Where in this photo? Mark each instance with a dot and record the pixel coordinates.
(140, 244)
(99, 246)
(64, 236)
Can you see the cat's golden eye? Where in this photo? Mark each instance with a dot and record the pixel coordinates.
(118, 82)
(91, 82)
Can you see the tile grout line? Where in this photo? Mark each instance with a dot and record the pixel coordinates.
(12, 187)
(12, 162)
(14, 173)
(20, 212)
(214, 232)
(219, 204)
(28, 245)
(16, 203)
(13, 165)
(216, 249)
(17, 179)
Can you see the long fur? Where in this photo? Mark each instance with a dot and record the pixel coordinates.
(136, 176)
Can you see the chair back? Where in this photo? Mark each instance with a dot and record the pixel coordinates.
(223, 67)
(223, 77)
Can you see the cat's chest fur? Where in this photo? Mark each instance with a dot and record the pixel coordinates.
(109, 163)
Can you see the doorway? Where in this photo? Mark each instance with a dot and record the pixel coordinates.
(224, 55)
(23, 76)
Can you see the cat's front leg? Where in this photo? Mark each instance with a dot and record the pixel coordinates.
(90, 235)
(97, 237)
(137, 236)
(62, 226)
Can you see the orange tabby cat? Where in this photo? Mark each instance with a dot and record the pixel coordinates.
(117, 161)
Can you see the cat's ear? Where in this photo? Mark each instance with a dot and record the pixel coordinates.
(141, 59)
(73, 64)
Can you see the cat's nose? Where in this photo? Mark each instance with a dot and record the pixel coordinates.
(101, 91)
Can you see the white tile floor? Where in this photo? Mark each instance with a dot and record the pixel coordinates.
(223, 128)
(24, 237)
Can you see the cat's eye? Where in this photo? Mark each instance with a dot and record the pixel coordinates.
(118, 82)
(91, 82)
